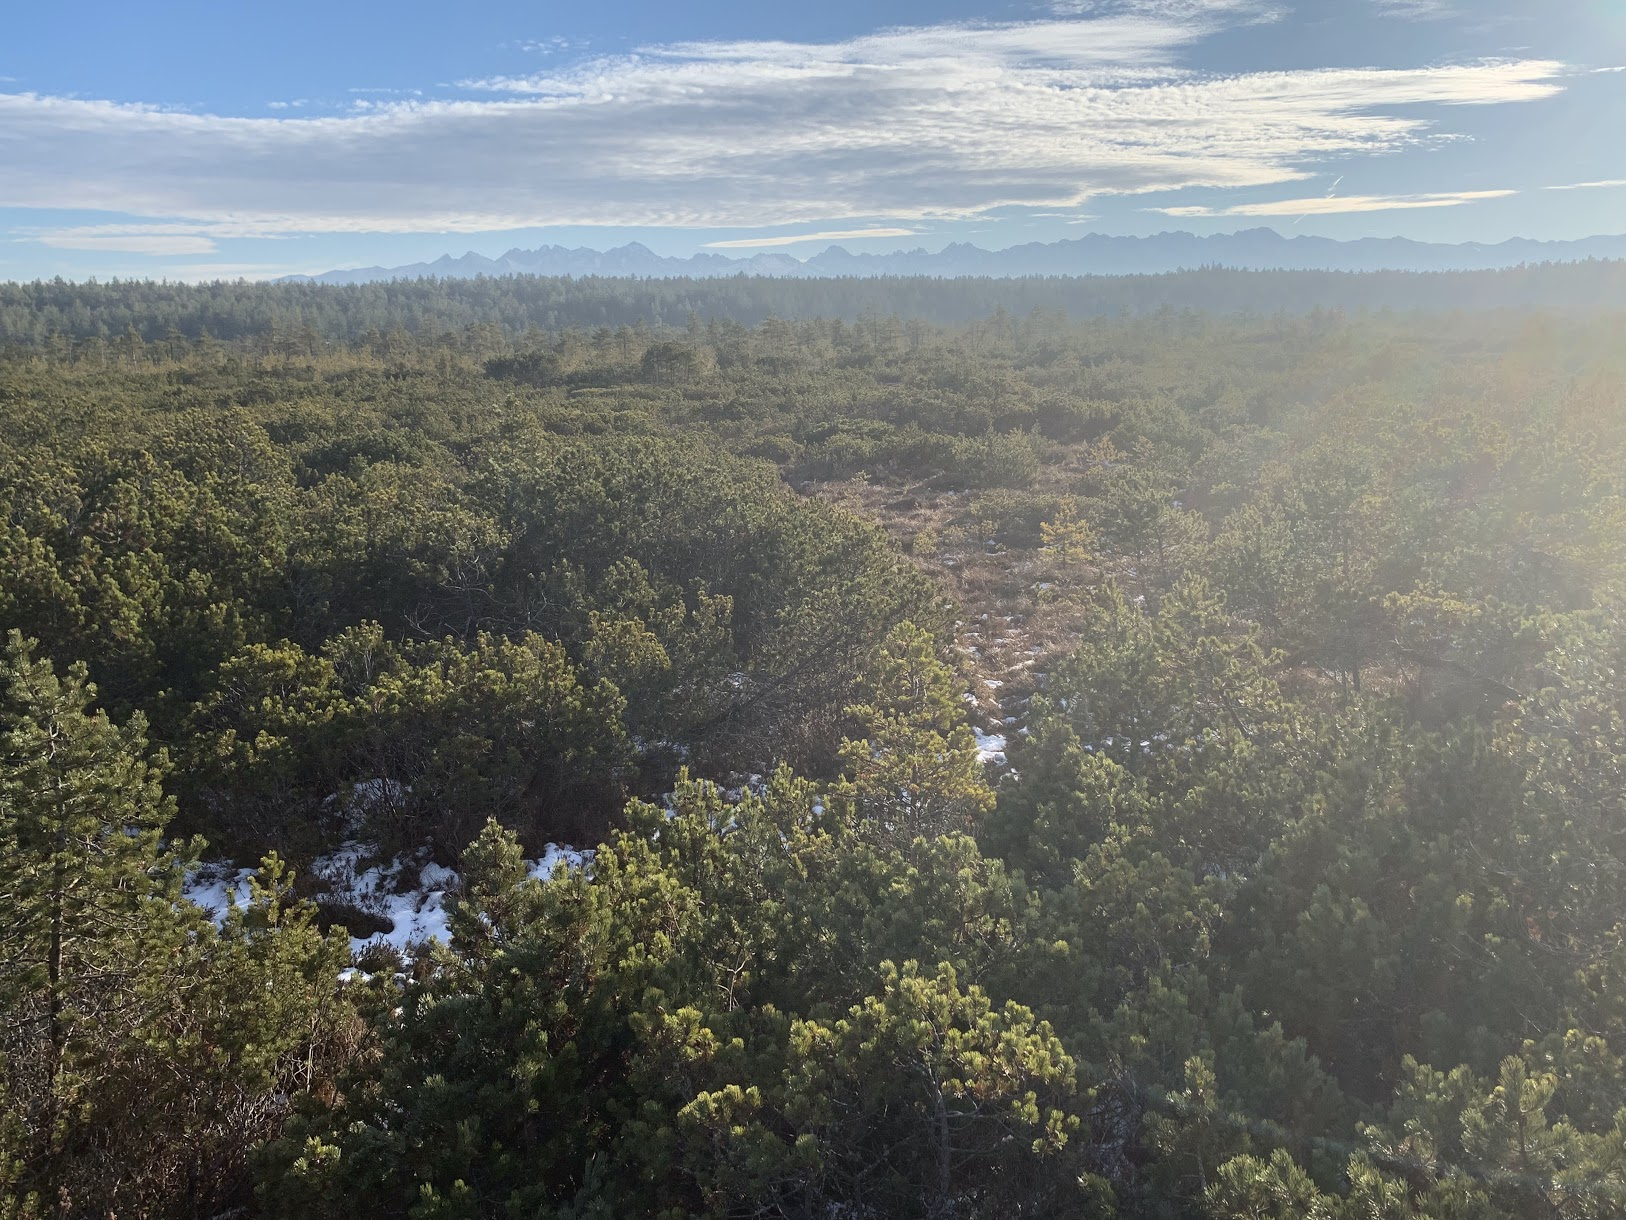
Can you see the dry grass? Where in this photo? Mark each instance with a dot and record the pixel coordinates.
(1010, 630)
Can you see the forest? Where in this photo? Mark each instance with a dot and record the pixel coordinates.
(51, 313)
(995, 758)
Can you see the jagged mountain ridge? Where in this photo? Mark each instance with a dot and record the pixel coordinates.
(1094, 254)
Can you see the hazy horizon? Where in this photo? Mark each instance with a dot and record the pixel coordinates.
(208, 143)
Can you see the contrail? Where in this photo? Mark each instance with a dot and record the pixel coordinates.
(1331, 191)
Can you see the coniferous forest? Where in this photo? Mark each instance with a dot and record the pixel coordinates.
(874, 750)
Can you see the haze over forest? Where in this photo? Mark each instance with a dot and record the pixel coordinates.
(1096, 254)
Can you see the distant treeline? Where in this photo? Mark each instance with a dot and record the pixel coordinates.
(42, 312)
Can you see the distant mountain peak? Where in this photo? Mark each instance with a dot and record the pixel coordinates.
(1259, 249)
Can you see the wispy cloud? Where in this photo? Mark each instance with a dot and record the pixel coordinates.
(548, 46)
(745, 243)
(1072, 218)
(162, 239)
(1177, 10)
(1589, 186)
(130, 243)
(1333, 205)
(168, 228)
(1416, 10)
(936, 122)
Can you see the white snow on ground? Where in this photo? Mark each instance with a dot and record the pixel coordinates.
(216, 886)
(990, 746)
(553, 855)
(416, 913)
(437, 877)
(411, 897)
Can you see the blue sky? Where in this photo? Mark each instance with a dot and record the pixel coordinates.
(195, 140)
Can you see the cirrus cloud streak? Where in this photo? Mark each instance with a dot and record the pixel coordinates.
(1336, 205)
(939, 122)
(793, 239)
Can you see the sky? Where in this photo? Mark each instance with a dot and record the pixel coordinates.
(205, 140)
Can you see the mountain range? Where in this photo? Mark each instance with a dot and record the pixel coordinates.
(1094, 254)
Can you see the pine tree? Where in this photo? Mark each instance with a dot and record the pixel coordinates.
(144, 1052)
(83, 868)
(916, 770)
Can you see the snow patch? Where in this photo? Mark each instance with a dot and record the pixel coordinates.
(553, 855)
(408, 894)
(217, 886)
(410, 897)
